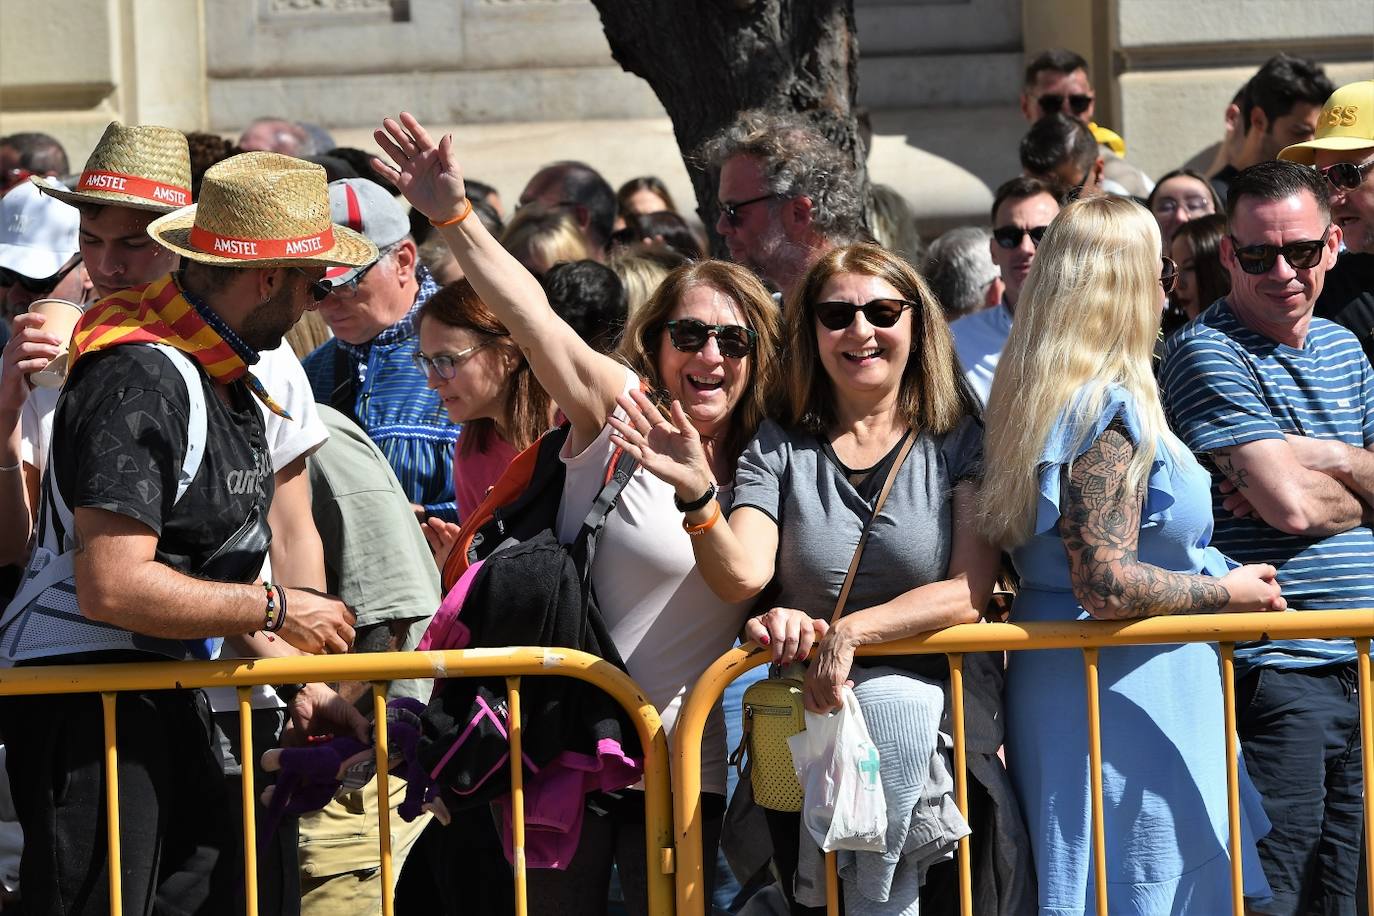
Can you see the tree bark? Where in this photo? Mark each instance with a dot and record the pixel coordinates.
(708, 60)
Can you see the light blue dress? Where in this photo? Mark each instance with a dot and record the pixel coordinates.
(1163, 772)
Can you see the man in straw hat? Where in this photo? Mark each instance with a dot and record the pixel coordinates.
(1343, 151)
(160, 453)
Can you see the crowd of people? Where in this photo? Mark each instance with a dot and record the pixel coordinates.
(255, 397)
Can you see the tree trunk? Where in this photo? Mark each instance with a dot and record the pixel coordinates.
(708, 60)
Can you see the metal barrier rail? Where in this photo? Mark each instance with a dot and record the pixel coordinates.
(1089, 637)
(378, 668)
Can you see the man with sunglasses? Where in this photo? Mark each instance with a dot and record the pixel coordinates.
(367, 371)
(1343, 151)
(38, 251)
(1283, 403)
(1057, 81)
(1022, 209)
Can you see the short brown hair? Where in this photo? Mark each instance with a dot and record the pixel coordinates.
(644, 331)
(933, 396)
(527, 404)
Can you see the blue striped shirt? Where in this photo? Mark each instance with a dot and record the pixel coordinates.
(1225, 385)
(396, 407)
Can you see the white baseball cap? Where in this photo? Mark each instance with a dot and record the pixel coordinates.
(38, 234)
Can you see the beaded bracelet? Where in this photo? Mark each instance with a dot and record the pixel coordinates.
(281, 612)
(269, 617)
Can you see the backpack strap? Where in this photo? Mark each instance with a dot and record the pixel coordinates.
(621, 468)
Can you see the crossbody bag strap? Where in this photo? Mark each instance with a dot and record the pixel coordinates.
(891, 478)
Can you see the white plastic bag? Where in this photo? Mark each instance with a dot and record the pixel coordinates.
(843, 805)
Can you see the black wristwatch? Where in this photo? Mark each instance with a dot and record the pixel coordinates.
(697, 503)
(287, 692)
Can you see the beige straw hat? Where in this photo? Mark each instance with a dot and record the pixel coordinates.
(262, 210)
(144, 167)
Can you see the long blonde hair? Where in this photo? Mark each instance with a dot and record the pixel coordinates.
(1088, 317)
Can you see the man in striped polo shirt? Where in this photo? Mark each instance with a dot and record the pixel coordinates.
(1283, 404)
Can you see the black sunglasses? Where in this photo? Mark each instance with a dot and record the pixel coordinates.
(1259, 259)
(881, 313)
(689, 335)
(1010, 236)
(1347, 176)
(1169, 275)
(1078, 104)
(731, 211)
(319, 289)
(40, 286)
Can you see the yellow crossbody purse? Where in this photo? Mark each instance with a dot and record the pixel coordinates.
(773, 710)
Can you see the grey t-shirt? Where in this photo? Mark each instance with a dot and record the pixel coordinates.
(820, 515)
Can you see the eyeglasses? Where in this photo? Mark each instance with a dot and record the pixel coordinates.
(689, 335)
(1009, 237)
(348, 289)
(731, 211)
(1259, 259)
(445, 365)
(319, 289)
(41, 286)
(881, 313)
(1051, 103)
(1168, 276)
(1193, 206)
(1347, 176)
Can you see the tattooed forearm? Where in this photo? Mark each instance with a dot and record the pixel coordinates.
(1101, 531)
(1227, 466)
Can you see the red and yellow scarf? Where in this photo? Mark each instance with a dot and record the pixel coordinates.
(159, 313)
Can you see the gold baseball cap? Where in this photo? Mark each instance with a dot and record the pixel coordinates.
(1346, 123)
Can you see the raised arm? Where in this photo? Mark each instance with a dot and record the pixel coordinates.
(29, 350)
(1286, 493)
(581, 381)
(1100, 525)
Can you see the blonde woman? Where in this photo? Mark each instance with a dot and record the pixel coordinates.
(1107, 516)
(540, 238)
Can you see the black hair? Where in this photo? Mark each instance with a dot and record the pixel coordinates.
(1193, 174)
(1281, 83)
(1055, 60)
(1055, 139)
(361, 161)
(665, 224)
(590, 298)
(1020, 188)
(38, 153)
(477, 191)
(651, 183)
(1277, 179)
(583, 185)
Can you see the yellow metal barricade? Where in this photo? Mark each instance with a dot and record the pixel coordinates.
(1087, 636)
(109, 680)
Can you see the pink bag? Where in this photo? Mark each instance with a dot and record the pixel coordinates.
(445, 630)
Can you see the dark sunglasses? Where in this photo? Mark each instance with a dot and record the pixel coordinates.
(1259, 259)
(689, 335)
(41, 286)
(1169, 275)
(731, 211)
(1009, 237)
(319, 289)
(1347, 176)
(881, 313)
(1078, 104)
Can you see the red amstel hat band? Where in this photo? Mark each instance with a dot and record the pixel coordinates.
(146, 188)
(227, 246)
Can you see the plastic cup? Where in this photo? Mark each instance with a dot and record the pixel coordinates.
(60, 318)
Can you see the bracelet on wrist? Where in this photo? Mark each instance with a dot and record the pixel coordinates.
(464, 214)
(696, 530)
(11, 468)
(269, 615)
(697, 503)
(281, 609)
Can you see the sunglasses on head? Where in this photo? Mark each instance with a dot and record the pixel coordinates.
(1051, 103)
(881, 313)
(689, 335)
(1010, 236)
(731, 211)
(1168, 276)
(1347, 176)
(40, 286)
(1259, 259)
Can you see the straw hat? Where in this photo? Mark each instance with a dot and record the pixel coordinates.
(147, 168)
(262, 210)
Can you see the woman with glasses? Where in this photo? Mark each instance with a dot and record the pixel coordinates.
(704, 341)
(870, 392)
(1178, 197)
(1108, 516)
(485, 383)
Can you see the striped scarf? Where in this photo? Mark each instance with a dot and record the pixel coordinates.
(160, 313)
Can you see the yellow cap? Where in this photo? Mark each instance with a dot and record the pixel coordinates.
(1346, 123)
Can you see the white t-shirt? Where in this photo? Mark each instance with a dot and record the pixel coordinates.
(662, 616)
(979, 339)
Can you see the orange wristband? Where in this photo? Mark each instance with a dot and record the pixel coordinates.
(705, 526)
(467, 211)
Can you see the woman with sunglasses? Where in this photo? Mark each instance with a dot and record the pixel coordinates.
(870, 369)
(705, 341)
(1108, 516)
